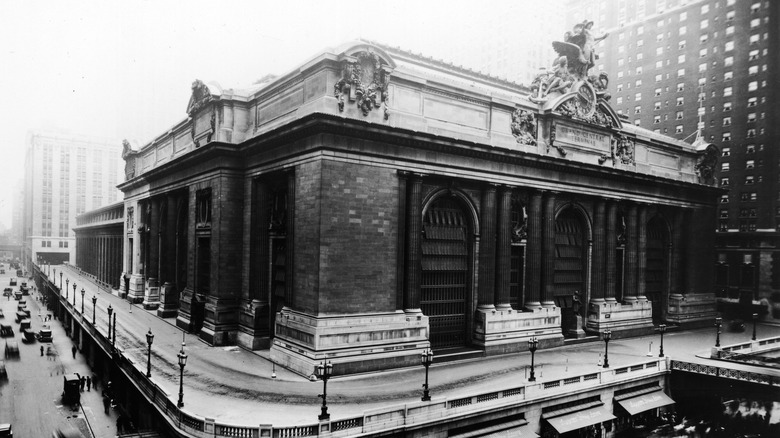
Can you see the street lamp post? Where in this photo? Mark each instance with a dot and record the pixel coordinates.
(607, 335)
(427, 360)
(533, 344)
(110, 311)
(718, 323)
(182, 362)
(60, 279)
(113, 333)
(323, 371)
(74, 293)
(755, 320)
(67, 282)
(661, 329)
(149, 339)
(55, 276)
(82, 300)
(94, 301)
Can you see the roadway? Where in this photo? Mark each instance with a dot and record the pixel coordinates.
(235, 386)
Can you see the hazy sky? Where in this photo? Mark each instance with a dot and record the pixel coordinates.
(124, 69)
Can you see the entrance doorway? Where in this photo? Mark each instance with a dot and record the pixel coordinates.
(569, 277)
(445, 280)
(656, 267)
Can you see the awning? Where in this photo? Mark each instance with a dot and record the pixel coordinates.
(645, 402)
(512, 429)
(579, 419)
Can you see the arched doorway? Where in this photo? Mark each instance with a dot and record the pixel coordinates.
(570, 267)
(656, 266)
(446, 277)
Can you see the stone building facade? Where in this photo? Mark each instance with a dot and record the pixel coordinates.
(372, 204)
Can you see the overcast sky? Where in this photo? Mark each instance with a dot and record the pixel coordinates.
(124, 69)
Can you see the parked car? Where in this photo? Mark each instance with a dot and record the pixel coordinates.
(5, 430)
(70, 389)
(12, 281)
(11, 349)
(44, 335)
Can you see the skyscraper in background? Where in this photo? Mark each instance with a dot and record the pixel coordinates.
(65, 175)
(707, 69)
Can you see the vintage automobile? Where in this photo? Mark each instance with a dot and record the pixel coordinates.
(24, 324)
(12, 282)
(28, 335)
(70, 389)
(20, 316)
(17, 295)
(7, 292)
(3, 371)
(2, 315)
(6, 331)
(5, 430)
(11, 349)
(44, 334)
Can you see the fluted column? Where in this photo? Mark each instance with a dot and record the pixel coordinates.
(599, 252)
(413, 245)
(153, 269)
(676, 263)
(548, 250)
(168, 263)
(641, 253)
(289, 297)
(487, 250)
(260, 253)
(610, 241)
(534, 252)
(632, 254)
(691, 253)
(504, 249)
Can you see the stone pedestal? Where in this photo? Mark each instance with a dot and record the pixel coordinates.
(577, 331)
(692, 310)
(220, 321)
(169, 301)
(507, 331)
(136, 290)
(353, 343)
(152, 295)
(253, 333)
(632, 318)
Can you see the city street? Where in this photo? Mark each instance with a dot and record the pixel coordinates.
(31, 398)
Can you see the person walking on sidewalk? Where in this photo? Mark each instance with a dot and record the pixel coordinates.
(95, 381)
(41, 350)
(89, 383)
(82, 382)
(106, 402)
(73, 350)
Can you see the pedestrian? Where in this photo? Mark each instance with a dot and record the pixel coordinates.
(73, 350)
(89, 383)
(82, 382)
(94, 381)
(41, 350)
(106, 403)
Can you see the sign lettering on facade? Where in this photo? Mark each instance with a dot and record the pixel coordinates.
(580, 137)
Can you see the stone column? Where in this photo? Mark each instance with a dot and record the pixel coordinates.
(534, 252)
(641, 253)
(487, 250)
(548, 250)
(598, 287)
(610, 241)
(632, 244)
(691, 253)
(289, 297)
(169, 300)
(504, 249)
(413, 245)
(403, 176)
(153, 265)
(676, 271)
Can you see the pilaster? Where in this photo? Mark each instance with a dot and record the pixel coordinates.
(487, 255)
(534, 252)
(548, 250)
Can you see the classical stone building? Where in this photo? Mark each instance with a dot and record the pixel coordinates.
(373, 203)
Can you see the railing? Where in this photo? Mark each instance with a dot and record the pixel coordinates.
(728, 373)
(383, 419)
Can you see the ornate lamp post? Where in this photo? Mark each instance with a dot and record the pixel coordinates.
(755, 320)
(718, 323)
(74, 293)
(607, 335)
(55, 276)
(82, 300)
(60, 279)
(427, 360)
(323, 371)
(661, 329)
(110, 311)
(533, 344)
(149, 339)
(67, 282)
(182, 362)
(94, 301)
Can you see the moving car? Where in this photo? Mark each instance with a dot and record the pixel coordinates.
(3, 371)
(6, 330)
(28, 335)
(7, 292)
(44, 335)
(5, 430)
(12, 282)
(11, 349)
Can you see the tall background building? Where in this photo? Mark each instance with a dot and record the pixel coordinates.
(65, 175)
(707, 69)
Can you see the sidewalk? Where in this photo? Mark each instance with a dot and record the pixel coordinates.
(235, 386)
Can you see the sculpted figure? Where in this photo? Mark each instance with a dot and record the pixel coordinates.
(578, 48)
